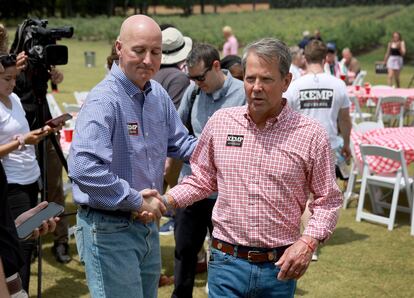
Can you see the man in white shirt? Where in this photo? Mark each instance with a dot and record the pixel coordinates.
(322, 97)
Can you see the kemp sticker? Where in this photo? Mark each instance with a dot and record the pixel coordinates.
(316, 98)
(133, 129)
(234, 140)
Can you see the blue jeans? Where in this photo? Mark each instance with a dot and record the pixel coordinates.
(229, 276)
(121, 256)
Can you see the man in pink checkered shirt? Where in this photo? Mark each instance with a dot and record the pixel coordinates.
(264, 159)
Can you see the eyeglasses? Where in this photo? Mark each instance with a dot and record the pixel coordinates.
(8, 60)
(202, 77)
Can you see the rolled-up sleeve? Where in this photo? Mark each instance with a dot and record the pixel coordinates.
(90, 158)
(327, 198)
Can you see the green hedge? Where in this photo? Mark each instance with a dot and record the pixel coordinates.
(356, 27)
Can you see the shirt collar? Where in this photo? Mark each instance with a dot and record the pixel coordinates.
(221, 93)
(130, 88)
(283, 115)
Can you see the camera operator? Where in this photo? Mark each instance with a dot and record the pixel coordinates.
(24, 89)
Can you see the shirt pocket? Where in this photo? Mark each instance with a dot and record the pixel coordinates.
(157, 137)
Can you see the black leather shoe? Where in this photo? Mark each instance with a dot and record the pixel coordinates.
(61, 253)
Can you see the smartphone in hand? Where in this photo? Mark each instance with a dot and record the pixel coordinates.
(25, 230)
(56, 121)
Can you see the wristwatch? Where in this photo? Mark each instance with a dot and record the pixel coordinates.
(20, 139)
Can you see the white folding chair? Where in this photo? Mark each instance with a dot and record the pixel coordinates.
(80, 97)
(53, 105)
(359, 80)
(370, 102)
(357, 114)
(397, 181)
(408, 112)
(365, 126)
(356, 166)
(381, 114)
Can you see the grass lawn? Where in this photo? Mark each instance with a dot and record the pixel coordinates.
(361, 259)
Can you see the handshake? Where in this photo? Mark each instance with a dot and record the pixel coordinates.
(153, 206)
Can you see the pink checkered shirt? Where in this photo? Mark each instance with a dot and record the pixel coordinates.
(264, 178)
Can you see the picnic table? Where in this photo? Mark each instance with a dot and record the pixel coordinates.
(395, 138)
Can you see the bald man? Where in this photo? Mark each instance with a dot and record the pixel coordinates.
(124, 132)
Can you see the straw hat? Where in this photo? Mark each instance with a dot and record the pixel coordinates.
(175, 46)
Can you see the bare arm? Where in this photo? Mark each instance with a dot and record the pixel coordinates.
(4, 292)
(403, 49)
(345, 126)
(32, 138)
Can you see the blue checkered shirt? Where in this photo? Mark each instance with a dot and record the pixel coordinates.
(122, 138)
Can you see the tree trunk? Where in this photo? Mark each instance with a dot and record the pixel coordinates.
(110, 11)
(202, 6)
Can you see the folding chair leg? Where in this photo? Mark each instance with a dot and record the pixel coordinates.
(394, 202)
(361, 199)
(412, 211)
(349, 188)
(412, 221)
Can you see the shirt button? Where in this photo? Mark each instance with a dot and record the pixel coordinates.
(146, 134)
(153, 183)
(219, 246)
(149, 158)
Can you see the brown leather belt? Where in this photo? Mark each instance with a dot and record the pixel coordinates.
(252, 254)
(15, 285)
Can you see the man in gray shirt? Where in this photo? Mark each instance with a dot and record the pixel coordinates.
(214, 89)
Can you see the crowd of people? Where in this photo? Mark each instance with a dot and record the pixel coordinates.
(239, 148)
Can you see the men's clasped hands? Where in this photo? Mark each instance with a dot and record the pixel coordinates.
(152, 207)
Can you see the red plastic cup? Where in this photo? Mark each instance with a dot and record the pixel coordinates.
(343, 77)
(68, 134)
(367, 90)
(357, 87)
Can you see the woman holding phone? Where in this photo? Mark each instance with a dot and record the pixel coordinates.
(17, 152)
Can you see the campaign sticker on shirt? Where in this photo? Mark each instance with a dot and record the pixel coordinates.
(316, 98)
(234, 140)
(133, 129)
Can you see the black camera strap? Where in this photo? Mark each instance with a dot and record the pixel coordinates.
(194, 94)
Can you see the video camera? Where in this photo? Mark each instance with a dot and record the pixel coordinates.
(39, 42)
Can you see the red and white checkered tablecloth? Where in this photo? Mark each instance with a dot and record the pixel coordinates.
(395, 138)
(376, 93)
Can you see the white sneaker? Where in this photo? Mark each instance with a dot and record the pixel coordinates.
(315, 256)
(206, 289)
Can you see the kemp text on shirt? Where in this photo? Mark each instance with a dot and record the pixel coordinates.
(316, 98)
(234, 140)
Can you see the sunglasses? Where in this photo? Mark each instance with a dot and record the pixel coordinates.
(8, 60)
(202, 77)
